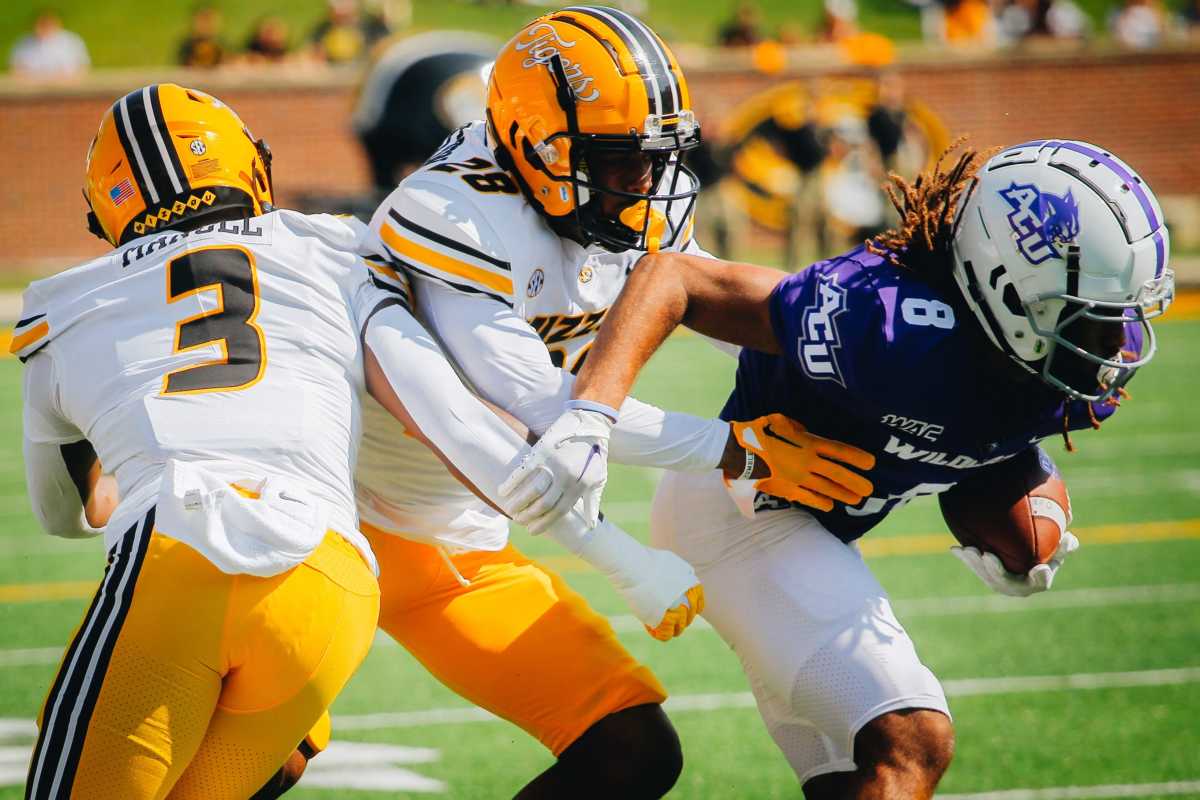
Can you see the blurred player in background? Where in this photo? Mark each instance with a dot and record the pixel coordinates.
(520, 232)
(1012, 304)
(213, 361)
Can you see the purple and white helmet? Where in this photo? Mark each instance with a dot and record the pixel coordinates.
(1056, 244)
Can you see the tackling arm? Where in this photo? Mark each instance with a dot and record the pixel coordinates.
(720, 299)
(509, 365)
(411, 378)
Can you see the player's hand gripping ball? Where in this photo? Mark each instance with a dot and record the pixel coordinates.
(1011, 521)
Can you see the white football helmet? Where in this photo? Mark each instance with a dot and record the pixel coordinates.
(1055, 244)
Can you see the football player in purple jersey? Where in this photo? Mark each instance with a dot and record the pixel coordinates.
(1011, 303)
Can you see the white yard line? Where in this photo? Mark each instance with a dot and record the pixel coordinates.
(963, 687)
(21, 657)
(1083, 792)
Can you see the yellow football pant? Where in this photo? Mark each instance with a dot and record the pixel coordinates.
(185, 682)
(517, 641)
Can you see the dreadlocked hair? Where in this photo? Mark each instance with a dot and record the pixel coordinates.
(926, 206)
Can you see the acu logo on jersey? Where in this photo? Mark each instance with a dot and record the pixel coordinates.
(1041, 220)
(820, 338)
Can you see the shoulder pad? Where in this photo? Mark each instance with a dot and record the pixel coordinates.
(435, 229)
(340, 231)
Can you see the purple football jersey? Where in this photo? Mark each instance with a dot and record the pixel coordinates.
(875, 357)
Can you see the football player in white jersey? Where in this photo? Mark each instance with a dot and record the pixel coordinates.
(519, 233)
(213, 363)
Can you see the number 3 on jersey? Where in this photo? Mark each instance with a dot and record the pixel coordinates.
(229, 272)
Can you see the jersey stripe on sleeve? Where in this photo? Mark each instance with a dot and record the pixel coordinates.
(392, 281)
(29, 335)
(453, 263)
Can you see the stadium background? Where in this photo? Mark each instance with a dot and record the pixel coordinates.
(1089, 691)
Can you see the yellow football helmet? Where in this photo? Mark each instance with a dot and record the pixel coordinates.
(165, 154)
(582, 86)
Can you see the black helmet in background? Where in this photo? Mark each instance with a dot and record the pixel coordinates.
(417, 92)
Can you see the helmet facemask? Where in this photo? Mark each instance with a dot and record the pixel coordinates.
(629, 220)
(1087, 358)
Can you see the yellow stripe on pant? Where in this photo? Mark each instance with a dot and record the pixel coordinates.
(186, 682)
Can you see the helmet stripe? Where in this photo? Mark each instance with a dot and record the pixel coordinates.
(654, 76)
(133, 150)
(156, 155)
(1130, 180)
(158, 126)
(1160, 254)
(653, 45)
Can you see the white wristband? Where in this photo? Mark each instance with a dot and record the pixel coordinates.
(591, 405)
(749, 469)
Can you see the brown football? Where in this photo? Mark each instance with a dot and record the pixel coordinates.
(1017, 509)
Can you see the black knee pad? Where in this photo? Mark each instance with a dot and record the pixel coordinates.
(632, 753)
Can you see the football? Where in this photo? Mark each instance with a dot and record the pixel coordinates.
(1018, 510)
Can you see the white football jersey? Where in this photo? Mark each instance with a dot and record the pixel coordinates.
(234, 348)
(460, 223)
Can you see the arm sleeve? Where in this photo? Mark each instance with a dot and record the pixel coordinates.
(485, 451)
(52, 493)
(507, 363)
(458, 425)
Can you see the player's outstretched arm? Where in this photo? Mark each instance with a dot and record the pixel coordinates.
(411, 378)
(720, 299)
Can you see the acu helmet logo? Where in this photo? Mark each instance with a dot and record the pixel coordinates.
(1041, 220)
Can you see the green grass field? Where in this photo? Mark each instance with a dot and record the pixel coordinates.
(1103, 672)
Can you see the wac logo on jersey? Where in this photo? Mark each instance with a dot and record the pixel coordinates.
(1041, 220)
(821, 338)
(543, 46)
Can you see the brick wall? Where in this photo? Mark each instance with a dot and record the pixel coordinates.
(1144, 107)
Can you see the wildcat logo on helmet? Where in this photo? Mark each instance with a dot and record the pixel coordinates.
(1041, 220)
(543, 47)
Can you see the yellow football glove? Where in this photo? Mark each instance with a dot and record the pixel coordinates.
(677, 619)
(804, 466)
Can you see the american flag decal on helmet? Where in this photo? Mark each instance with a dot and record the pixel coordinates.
(121, 192)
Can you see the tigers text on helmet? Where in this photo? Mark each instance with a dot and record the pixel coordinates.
(165, 154)
(1057, 245)
(582, 86)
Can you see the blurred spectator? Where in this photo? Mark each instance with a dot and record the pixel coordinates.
(269, 41)
(49, 50)
(745, 29)
(1139, 24)
(1066, 20)
(1018, 20)
(345, 36)
(960, 22)
(886, 118)
(1189, 19)
(840, 20)
(202, 48)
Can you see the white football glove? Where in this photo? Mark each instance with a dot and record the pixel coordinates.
(573, 452)
(660, 588)
(989, 569)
